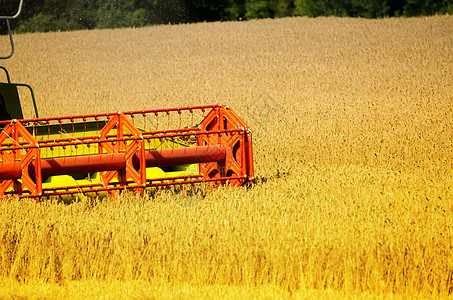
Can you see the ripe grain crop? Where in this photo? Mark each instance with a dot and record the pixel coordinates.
(353, 151)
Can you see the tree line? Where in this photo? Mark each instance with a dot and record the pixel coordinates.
(54, 15)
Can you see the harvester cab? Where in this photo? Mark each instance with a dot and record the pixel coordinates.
(99, 154)
(10, 107)
(9, 103)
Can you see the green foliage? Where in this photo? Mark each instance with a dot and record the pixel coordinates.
(282, 8)
(426, 7)
(137, 18)
(257, 9)
(235, 11)
(50, 15)
(38, 23)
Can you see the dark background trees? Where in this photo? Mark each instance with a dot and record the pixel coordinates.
(52, 15)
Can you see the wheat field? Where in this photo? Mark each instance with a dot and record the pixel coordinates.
(353, 150)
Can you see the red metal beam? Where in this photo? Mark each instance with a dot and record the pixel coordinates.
(78, 164)
(109, 162)
(82, 164)
(10, 170)
(183, 156)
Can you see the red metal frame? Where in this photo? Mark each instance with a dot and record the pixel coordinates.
(19, 156)
(131, 114)
(221, 144)
(238, 144)
(133, 148)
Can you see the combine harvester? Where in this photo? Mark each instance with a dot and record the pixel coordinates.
(99, 154)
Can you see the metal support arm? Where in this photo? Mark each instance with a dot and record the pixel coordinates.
(7, 18)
